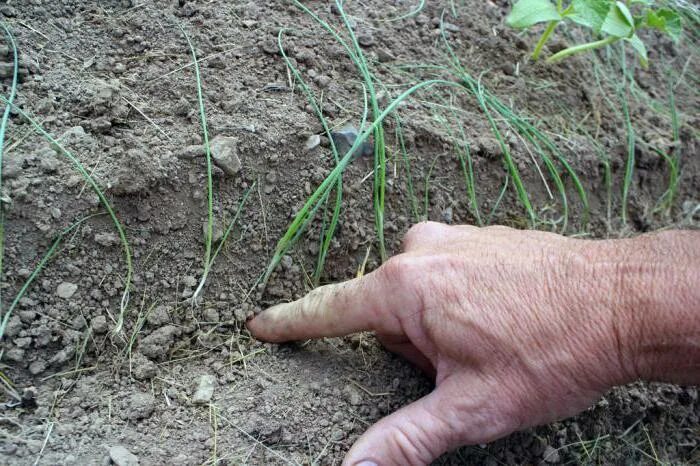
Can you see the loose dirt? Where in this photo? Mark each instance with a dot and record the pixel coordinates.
(188, 385)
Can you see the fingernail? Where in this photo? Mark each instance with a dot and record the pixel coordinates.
(366, 463)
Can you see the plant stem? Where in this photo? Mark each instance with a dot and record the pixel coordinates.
(582, 48)
(545, 36)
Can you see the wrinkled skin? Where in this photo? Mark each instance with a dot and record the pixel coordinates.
(517, 328)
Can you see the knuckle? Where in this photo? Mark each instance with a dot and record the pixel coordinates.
(422, 231)
(397, 268)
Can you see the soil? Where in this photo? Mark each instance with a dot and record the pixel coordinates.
(188, 385)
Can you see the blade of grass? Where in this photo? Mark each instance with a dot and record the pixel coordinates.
(379, 147)
(3, 129)
(327, 232)
(407, 167)
(210, 191)
(629, 164)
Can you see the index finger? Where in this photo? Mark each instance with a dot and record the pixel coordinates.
(370, 302)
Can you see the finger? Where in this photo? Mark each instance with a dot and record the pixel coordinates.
(432, 235)
(414, 435)
(371, 302)
(462, 410)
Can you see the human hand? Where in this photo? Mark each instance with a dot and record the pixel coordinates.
(518, 328)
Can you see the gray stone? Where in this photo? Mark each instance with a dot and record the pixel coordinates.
(158, 344)
(205, 390)
(210, 315)
(312, 142)
(37, 367)
(106, 239)
(99, 325)
(224, 151)
(66, 290)
(139, 406)
(159, 316)
(123, 457)
(143, 368)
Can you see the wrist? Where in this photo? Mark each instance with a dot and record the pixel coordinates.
(655, 305)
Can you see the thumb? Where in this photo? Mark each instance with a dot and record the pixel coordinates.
(414, 435)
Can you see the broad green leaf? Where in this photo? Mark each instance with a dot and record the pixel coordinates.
(667, 21)
(590, 13)
(525, 13)
(640, 48)
(619, 22)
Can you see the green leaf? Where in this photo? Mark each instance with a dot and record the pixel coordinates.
(640, 48)
(666, 21)
(525, 13)
(590, 13)
(619, 22)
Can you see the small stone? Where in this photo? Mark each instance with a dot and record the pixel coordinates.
(8, 11)
(99, 325)
(106, 239)
(489, 147)
(159, 316)
(66, 290)
(123, 457)
(346, 137)
(324, 81)
(191, 152)
(224, 151)
(365, 39)
(205, 390)
(157, 345)
(271, 177)
(451, 27)
(189, 281)
(239, 314)
(312, 142)
(354, 396)
(447, 215)
(211, 315)
(143, 368)
(139, 406)
(37, 367)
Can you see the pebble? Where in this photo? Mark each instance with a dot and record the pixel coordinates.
(99, 325)
(205, 390)
(123, 457)
(37, 367)
(140, 406)
(224, 151)
(447, 216)
(312, 142)
(365, 39)
(210, 315)
(345, 138)
(106, 239)
(66, 290)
